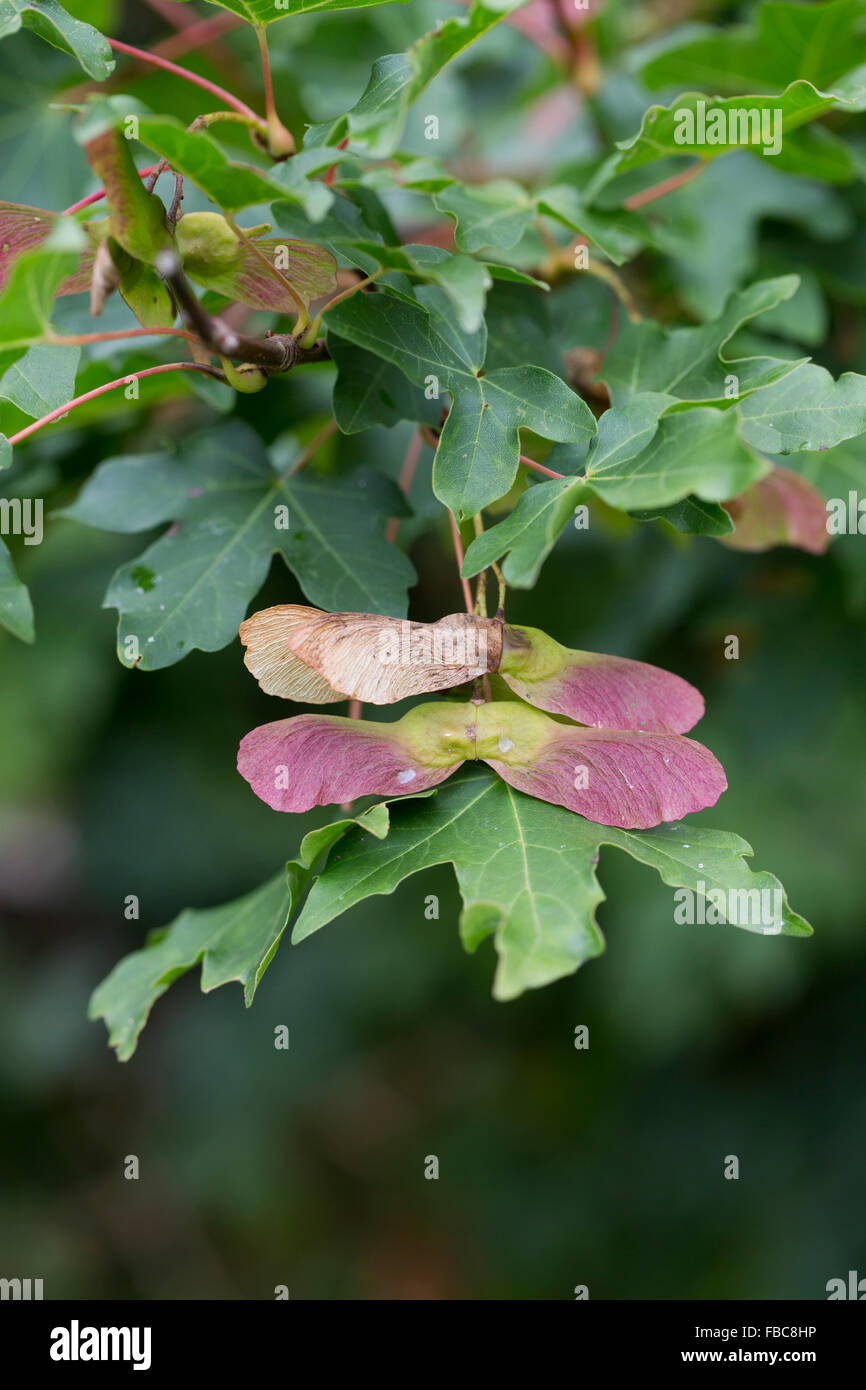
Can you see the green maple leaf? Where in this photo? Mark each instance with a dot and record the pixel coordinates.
(56, 26)
(694, 451)
(527, 536)
(807, 410)
(42, 380)
(648, 457)
(375, 123)
(478, 452)
(692, 515)
(689, 363)
(191, 588)
(236, 941)
(526, 873)
(815, 42)
(674, 466)
(497, 213)
(232, 185)
(799, 103)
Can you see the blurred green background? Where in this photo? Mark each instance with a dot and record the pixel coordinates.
(305, 1167)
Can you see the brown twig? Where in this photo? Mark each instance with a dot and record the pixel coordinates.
(156, 172)
(174, 210)
(277, 353)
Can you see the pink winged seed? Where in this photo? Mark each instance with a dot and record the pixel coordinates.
(310, 271)
(630, 780)
(612, 692)
(621, 778)
(315, 759)
(781, 509)
(22, 229)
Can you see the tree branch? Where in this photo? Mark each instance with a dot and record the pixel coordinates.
(277, 353)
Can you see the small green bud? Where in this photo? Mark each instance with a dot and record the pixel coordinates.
(245, 377)
(206, 243)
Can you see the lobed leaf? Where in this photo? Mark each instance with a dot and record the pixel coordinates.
(689, 363)
(375, 123)
(236, 941)
(478, 451)
(528, 534)
(815, 42)
(191, 588)
(799, 103)
(696, 451)
(807, 410)
(526, 873)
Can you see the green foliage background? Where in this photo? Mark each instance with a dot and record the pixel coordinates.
(558, 1167)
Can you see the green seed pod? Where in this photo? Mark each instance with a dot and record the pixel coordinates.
(245, 377)
(206, 243)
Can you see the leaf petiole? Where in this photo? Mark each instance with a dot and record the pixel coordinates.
(111, 386)
(142, 56)
(458, 551)
(314, 329)
(280, 142)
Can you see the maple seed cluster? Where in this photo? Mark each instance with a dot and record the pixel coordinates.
(600, 735)
(148, 255)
